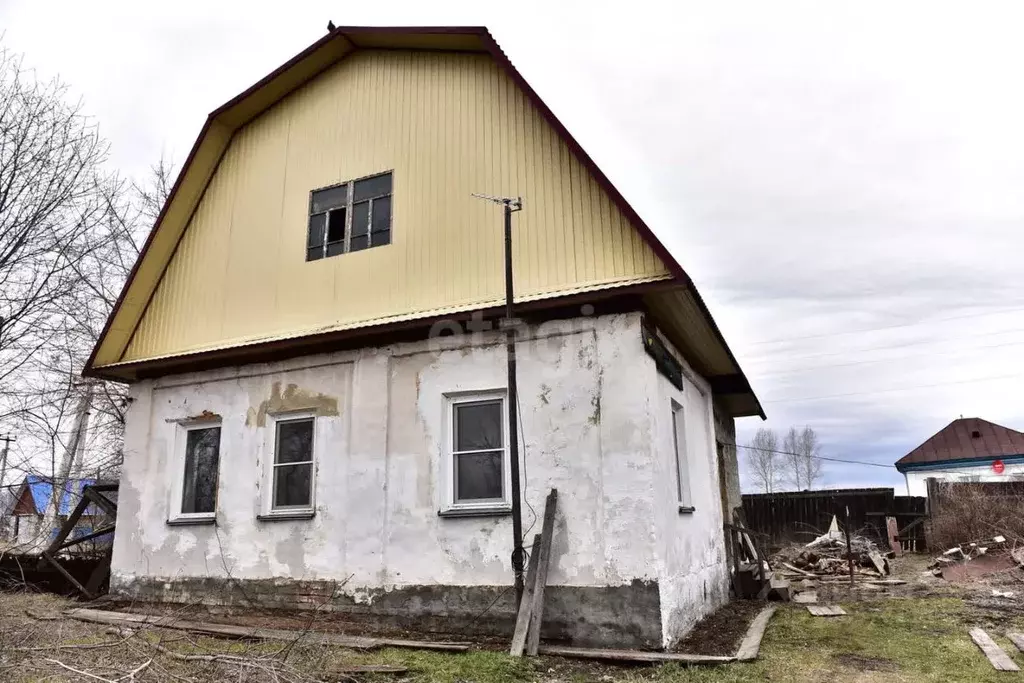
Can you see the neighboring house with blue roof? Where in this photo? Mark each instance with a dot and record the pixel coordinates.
(32, 501)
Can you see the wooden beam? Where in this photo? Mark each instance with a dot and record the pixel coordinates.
(100, 500)
(996, 655)
(67, 575)
(99, 573)
(233, 631)
(632, 655)
(88, 537)
(537, 611)
(751, 643)
(67, 526)
(892, 530)
(523, 618)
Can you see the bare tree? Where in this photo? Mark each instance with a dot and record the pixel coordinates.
(69, 235)
(50, 153)
(803, 466)
(764, 461)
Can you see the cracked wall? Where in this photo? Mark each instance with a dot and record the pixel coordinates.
(590, 428)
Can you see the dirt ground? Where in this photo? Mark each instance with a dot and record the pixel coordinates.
(913, 632)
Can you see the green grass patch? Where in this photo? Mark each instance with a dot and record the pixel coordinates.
(912, 639)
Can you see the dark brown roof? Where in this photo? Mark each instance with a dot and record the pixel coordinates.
(966, 439)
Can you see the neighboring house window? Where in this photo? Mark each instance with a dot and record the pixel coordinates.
(682, 464)
(477, 463)
(195, 490)
(292, 468)
(352, 216)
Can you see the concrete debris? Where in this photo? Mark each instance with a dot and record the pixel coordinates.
(1002, 594)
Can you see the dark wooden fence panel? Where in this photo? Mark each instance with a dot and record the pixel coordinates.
(799, 516)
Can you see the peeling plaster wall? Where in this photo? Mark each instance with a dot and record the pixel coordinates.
(694, 573)
(591, 405)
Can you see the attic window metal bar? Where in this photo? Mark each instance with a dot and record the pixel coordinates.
(329, 212)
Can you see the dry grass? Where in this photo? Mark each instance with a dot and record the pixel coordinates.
(963, 512)
(916, 637)
(38, 643)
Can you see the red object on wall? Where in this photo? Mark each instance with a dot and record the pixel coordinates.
(998, 466)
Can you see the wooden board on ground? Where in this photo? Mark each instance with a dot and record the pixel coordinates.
(632, 655)
(798, 570)
(97, 616)
(878, 562)
(525, 607)
(806, 597)
(826, 610)
(751, 643)
(996, 655)
(1017, 639)
(541, 580)
(348, 670)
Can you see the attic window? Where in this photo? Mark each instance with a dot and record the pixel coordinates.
(352, 216)
(975, 434)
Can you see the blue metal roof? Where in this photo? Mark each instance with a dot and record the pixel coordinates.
(41, 489)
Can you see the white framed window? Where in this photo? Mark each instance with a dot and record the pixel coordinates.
(679, 451)
(194, 489)
(476, 458)
(291, 466)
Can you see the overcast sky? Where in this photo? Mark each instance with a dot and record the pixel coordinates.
(843, 181)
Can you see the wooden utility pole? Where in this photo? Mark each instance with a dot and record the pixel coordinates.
(849, 549)
(7, 439)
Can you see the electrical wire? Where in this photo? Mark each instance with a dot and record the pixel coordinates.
(522, 443)
(775, 359)
(893, 389)
(807, 455)
(885, 327)
(951, 352)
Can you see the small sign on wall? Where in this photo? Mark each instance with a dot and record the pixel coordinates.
(998, 467)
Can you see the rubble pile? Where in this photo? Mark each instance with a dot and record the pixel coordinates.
(827, 555)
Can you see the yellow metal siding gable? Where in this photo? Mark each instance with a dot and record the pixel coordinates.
(446, 125)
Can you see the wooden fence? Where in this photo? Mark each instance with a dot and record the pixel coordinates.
(799, 516)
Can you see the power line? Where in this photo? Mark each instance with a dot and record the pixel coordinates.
(770, 358)
(846, 461)
(808, 455)
(893, 389)
(885, 327)
(951, 352)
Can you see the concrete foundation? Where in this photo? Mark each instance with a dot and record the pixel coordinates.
(628, 568)
(601, 616)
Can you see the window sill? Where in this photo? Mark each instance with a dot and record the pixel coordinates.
(687, 509)
(192, 521)
(495, 511)
(286, 516)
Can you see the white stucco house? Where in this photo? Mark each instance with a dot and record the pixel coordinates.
(319, 398)
(967, 449)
